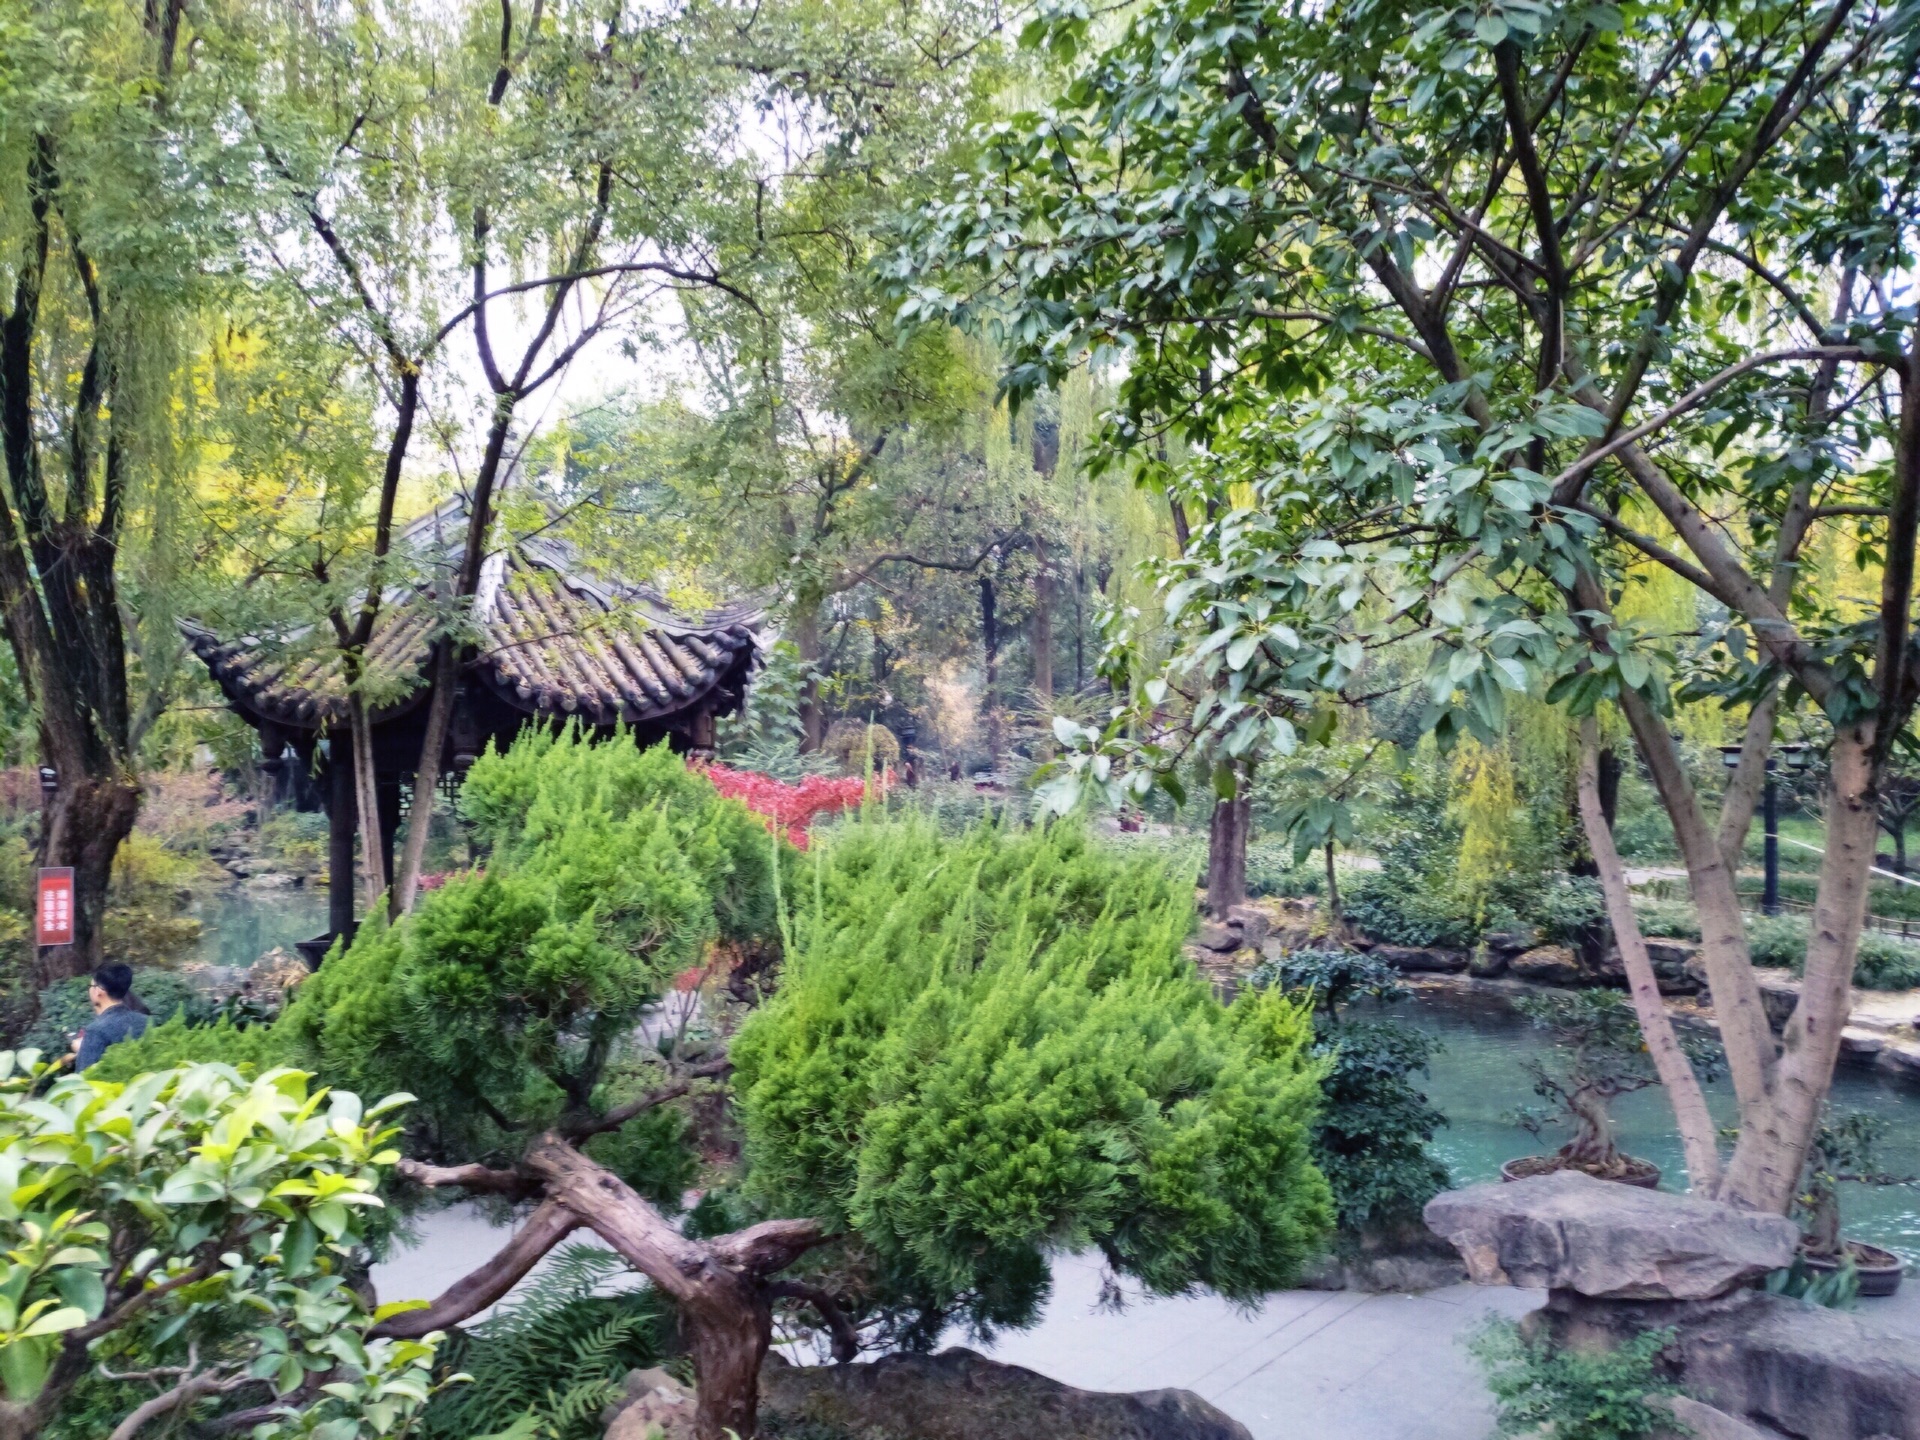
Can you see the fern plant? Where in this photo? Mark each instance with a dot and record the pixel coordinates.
(548, 1364)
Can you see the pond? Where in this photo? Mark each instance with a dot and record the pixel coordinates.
(240, 923)
(1477, 1080)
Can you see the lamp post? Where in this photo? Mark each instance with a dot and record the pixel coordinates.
(1796, 757)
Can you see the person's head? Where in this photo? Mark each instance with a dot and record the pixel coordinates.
(112, 983)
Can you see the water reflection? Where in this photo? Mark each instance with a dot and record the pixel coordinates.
(1477, 1079)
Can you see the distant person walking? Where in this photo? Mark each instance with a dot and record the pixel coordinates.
(115, 1017)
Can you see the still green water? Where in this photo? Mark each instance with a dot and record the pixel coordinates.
(239, 924)
(1477, 1080)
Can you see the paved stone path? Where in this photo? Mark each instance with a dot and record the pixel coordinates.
(1302, 1365)
(1332, 1365)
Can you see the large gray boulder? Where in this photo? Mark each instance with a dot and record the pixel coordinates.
(1804, 1370)
(958, 1395)
(1569, 1231)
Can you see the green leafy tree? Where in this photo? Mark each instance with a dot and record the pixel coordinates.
(980, 1052)
(183, 1240)
(1684, 228)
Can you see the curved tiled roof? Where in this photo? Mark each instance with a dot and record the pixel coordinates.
(552, 642)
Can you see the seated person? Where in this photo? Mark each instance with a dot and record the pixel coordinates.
(115, 1019)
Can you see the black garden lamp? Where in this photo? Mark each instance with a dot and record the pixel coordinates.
(1797, 758)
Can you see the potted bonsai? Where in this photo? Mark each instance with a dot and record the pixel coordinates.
(1597, 1057)
(1843, 1150)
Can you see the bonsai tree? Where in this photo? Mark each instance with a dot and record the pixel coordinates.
(1843, 1150)
(180, 1242)
(981, 1051)
(1375, 1124)
(1597, 1056)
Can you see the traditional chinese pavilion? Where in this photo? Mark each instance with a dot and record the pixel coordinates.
(555, 644)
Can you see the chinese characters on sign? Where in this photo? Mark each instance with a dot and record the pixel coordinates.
(54, 925)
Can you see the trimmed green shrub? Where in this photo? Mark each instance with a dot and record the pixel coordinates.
(1396, 909)
(990, 1049)
(561, 798)
(179, 1041)
(64, 1007)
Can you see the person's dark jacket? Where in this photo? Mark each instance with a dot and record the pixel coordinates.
(109, 1027)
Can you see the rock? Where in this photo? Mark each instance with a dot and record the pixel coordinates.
(1861, 1044)
(271, 880)
(1669, 953)
(1899, 1058)
(1509, 943)
(1487, 962)
(1805, 1370)
(1705, 1422)
(653, 1406)
(1254, 923)
(276, 972)
(1549, 965)
(1569, 1231)
(1672, 978)
(1779, 993)
(1216, 935)
(958, 1395)
(1404, 1259)
(1420, 958)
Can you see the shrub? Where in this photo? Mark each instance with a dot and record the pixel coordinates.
(1777, 940)
(177, 1041)
(1549, 1394)
(64, 1007)
(1395, 908)
(988, 1049)
(192, 1226)
(1885, 963)
(531, 797)
(1375, 1124)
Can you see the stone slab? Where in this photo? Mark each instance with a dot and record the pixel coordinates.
(1569, 1231)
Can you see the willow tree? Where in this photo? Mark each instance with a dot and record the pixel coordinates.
(1487, 309)
(115, 176)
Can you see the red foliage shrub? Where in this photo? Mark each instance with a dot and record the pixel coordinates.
(788, 809)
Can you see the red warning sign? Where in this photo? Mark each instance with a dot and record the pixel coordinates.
(54, 925)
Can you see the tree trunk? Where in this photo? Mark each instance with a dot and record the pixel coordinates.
(426, 776)
(1042, 624)
(990, 682)
(89, 818)
(1697, 1131)
(1744, 1030)
(1900, 847)
(1227, 849)
(1335, 924)
(1764, 1172)
(716, 1285)
(366, 806)
(805, 623)
(1593, 1144)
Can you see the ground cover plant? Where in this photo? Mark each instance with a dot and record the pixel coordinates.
(981, 1050)
(1577, 1394)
